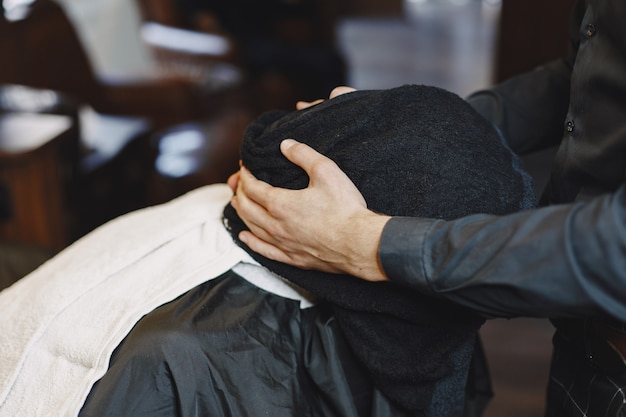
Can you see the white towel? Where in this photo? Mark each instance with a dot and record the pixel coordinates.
(61, 323)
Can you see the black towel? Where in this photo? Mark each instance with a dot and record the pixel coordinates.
(411, 151)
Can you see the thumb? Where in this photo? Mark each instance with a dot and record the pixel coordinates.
(304, 156)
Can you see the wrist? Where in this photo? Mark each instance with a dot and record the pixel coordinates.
(363, 259)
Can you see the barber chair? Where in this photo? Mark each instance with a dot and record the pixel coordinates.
(116, 121)
(287, 48)
(43, 50)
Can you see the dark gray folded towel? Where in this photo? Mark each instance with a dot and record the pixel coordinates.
(411, 151)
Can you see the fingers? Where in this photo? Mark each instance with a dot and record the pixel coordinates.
(337, 91)
(301, 105)
(249, 210)
(252, 191)
(233, 181)
(254, 204)
(312, 228)
(304, 156)
(263, 247)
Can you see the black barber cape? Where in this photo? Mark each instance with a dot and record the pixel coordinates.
(227, 349)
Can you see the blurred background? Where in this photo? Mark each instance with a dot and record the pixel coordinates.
(107, 106)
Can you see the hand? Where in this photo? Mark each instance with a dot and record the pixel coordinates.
(337, 91)
(300, 105)
(233, 180)
(325, 226)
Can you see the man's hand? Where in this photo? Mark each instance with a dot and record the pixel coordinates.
(325, 226)
(337, 91)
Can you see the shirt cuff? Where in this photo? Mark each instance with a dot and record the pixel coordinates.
(401, 251)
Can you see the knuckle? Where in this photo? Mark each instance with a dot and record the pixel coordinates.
(273, 207)
(323, 168)
(297, 262)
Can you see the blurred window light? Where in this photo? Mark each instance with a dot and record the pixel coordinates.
(179, 142)
(9, 4)
(22, 98)
(182, 151)
(176, 166)
(184, 40)
(16, 9)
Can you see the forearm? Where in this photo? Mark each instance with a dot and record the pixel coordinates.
(562, 261)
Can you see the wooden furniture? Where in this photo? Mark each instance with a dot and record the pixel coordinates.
(43, 50)
(531, 32)
(33, 151)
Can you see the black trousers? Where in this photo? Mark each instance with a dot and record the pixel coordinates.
(583, 380)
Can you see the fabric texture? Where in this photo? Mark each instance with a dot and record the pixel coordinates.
(61, 323)
(229, 348)
(411, 151)
(579, 386)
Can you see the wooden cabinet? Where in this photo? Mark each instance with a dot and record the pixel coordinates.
(33, 171)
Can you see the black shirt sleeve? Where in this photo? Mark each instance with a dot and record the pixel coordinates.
(529, 110)
(559, 261)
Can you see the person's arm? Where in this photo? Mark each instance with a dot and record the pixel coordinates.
(559, 261)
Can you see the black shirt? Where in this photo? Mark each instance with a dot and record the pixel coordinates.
(564, 260)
